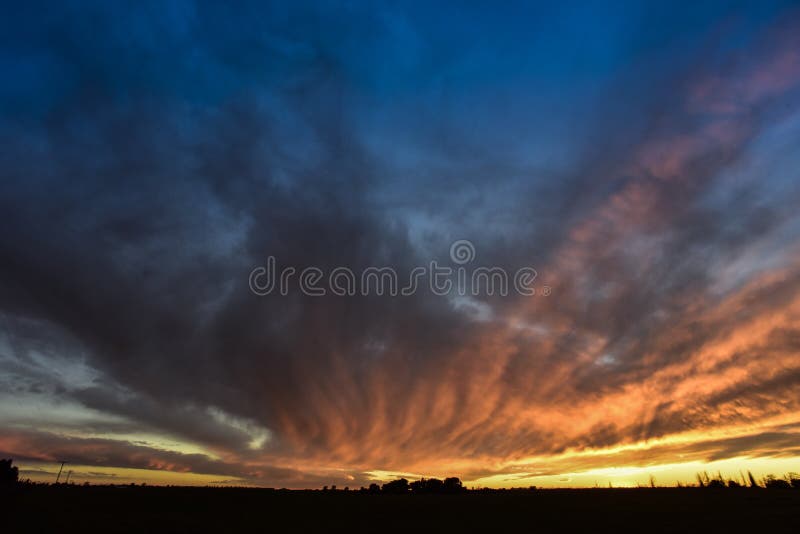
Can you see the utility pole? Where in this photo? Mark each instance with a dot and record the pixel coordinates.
(59, 471)
(69, 474)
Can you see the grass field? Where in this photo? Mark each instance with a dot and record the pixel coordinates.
(40, 508)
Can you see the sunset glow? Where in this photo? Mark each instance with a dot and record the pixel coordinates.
(643, 163)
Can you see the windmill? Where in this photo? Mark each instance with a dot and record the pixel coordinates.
(59, 470)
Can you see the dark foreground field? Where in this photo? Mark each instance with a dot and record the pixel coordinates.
(154, 509)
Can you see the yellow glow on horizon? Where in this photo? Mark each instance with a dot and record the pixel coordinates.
(633, 476)
(670, 474)
(614, 455)
(671, 459)
(47, 471)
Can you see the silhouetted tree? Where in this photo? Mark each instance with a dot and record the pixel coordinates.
(434, 485)
(9, 474)
(396, 486)
(427, 485)
(453, 485)
(374, 488)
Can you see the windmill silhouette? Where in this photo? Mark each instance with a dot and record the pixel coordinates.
(58, 477)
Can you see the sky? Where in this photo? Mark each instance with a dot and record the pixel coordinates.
(641, 158)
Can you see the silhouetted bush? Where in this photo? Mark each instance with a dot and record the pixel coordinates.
(9, 474)
(770, 482)
(434, 485)
(427, 485)
(789, 481)
(453, 485)
(396, 486)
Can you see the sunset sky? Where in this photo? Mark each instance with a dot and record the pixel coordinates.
(642, 157)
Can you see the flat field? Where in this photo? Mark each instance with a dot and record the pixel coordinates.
(180, 509)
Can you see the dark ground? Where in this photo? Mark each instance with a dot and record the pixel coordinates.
(160, 509)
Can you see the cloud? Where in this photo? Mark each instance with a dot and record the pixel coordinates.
(143, 189)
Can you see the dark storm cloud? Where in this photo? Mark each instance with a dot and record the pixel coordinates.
(142, 250)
